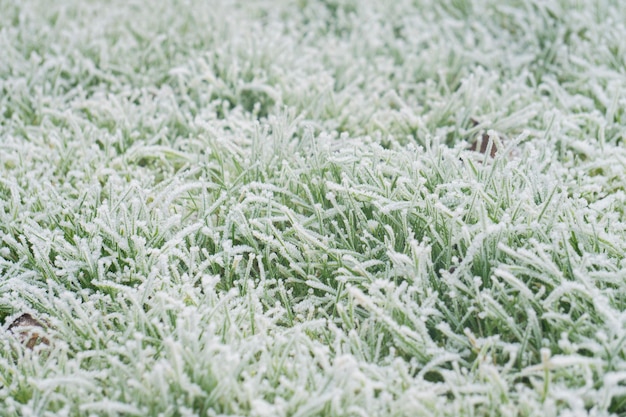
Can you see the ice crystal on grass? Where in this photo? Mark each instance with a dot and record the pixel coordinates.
(292, 208)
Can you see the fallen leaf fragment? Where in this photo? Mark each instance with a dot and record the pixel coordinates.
(25, 328)
(482, 145)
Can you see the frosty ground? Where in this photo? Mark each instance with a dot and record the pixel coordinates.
(271, 208)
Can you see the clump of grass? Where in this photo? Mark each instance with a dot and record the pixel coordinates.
(275, 208)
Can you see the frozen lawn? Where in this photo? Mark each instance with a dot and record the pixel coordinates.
(272, 208)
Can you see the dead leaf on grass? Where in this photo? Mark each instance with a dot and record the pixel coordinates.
(483, 144)
(25, 327)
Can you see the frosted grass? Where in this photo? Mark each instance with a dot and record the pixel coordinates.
(271, 208)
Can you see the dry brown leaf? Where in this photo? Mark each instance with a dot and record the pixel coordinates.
(25, 328)
(482, 145)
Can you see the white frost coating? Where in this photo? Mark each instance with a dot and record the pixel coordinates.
(270, 208)
(108, 406)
